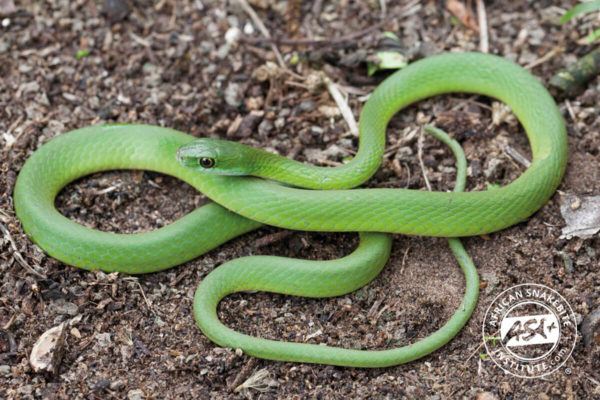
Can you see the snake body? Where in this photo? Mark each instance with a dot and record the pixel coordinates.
(244, 203)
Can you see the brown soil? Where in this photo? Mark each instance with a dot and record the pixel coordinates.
(168, 64)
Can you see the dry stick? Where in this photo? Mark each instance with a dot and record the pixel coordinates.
(573, 116)
(518, 157)
(271, 238)
(383, 6)
(243, 374)
(484, 45)
(342, 104)
(263, 29)
(546, 57)
(420, 154)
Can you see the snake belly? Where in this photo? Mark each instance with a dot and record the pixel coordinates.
(244, 203)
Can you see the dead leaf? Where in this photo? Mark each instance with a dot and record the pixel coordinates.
(582, 215)
(464, 15)
(48, 350)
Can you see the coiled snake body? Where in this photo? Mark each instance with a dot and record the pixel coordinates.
(243, 203)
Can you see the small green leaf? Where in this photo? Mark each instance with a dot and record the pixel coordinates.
(81, 54)
(295, 59)
(391, 35)
(387, 60)
(593, 36)
(581, 8)
(483, 356)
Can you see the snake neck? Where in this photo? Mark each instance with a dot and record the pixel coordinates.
(295, 173)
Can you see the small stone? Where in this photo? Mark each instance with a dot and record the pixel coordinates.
(335, 151)
(223, 51)
(493, 169)
(306, 106)
(63, 307)
(255, 103)
(249, 123)
(4, 46)
(117, 385)
(115, 10)
(4, 370)
(248, 29)
(264, 128)
(135, 394)
(233, 35)
(234, 94)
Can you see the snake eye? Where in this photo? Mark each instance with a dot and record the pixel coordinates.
(206, 162)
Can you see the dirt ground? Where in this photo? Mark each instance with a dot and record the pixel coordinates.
(68, 64)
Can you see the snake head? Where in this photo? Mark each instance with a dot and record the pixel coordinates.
(213, 156)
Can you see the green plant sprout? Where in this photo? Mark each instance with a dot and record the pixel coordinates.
(583, 8)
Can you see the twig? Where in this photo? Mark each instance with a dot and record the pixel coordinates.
(546, 57)
(518, 157)
(17, 255)
(473, 353)
(136, 280)
(408, 173)
(573, 116)
(342, 104)
(271, 238)
(383, 7)
(243, 374)
(484, 45)
(316, 8)
(263, 29)
(139, 39)
(420, 154)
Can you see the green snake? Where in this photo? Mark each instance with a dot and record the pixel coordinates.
(242, 203)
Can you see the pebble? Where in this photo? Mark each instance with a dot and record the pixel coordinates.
(115, 10)
(63, 307)
(135, 394)
(223, 51)
(265, 127)
(233, 35)
(493, 168)
(306, 106)
(4, 370)
(234, 94)
(4, 46)
(117, 385)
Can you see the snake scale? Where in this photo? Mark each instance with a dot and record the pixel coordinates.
(242, 203)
